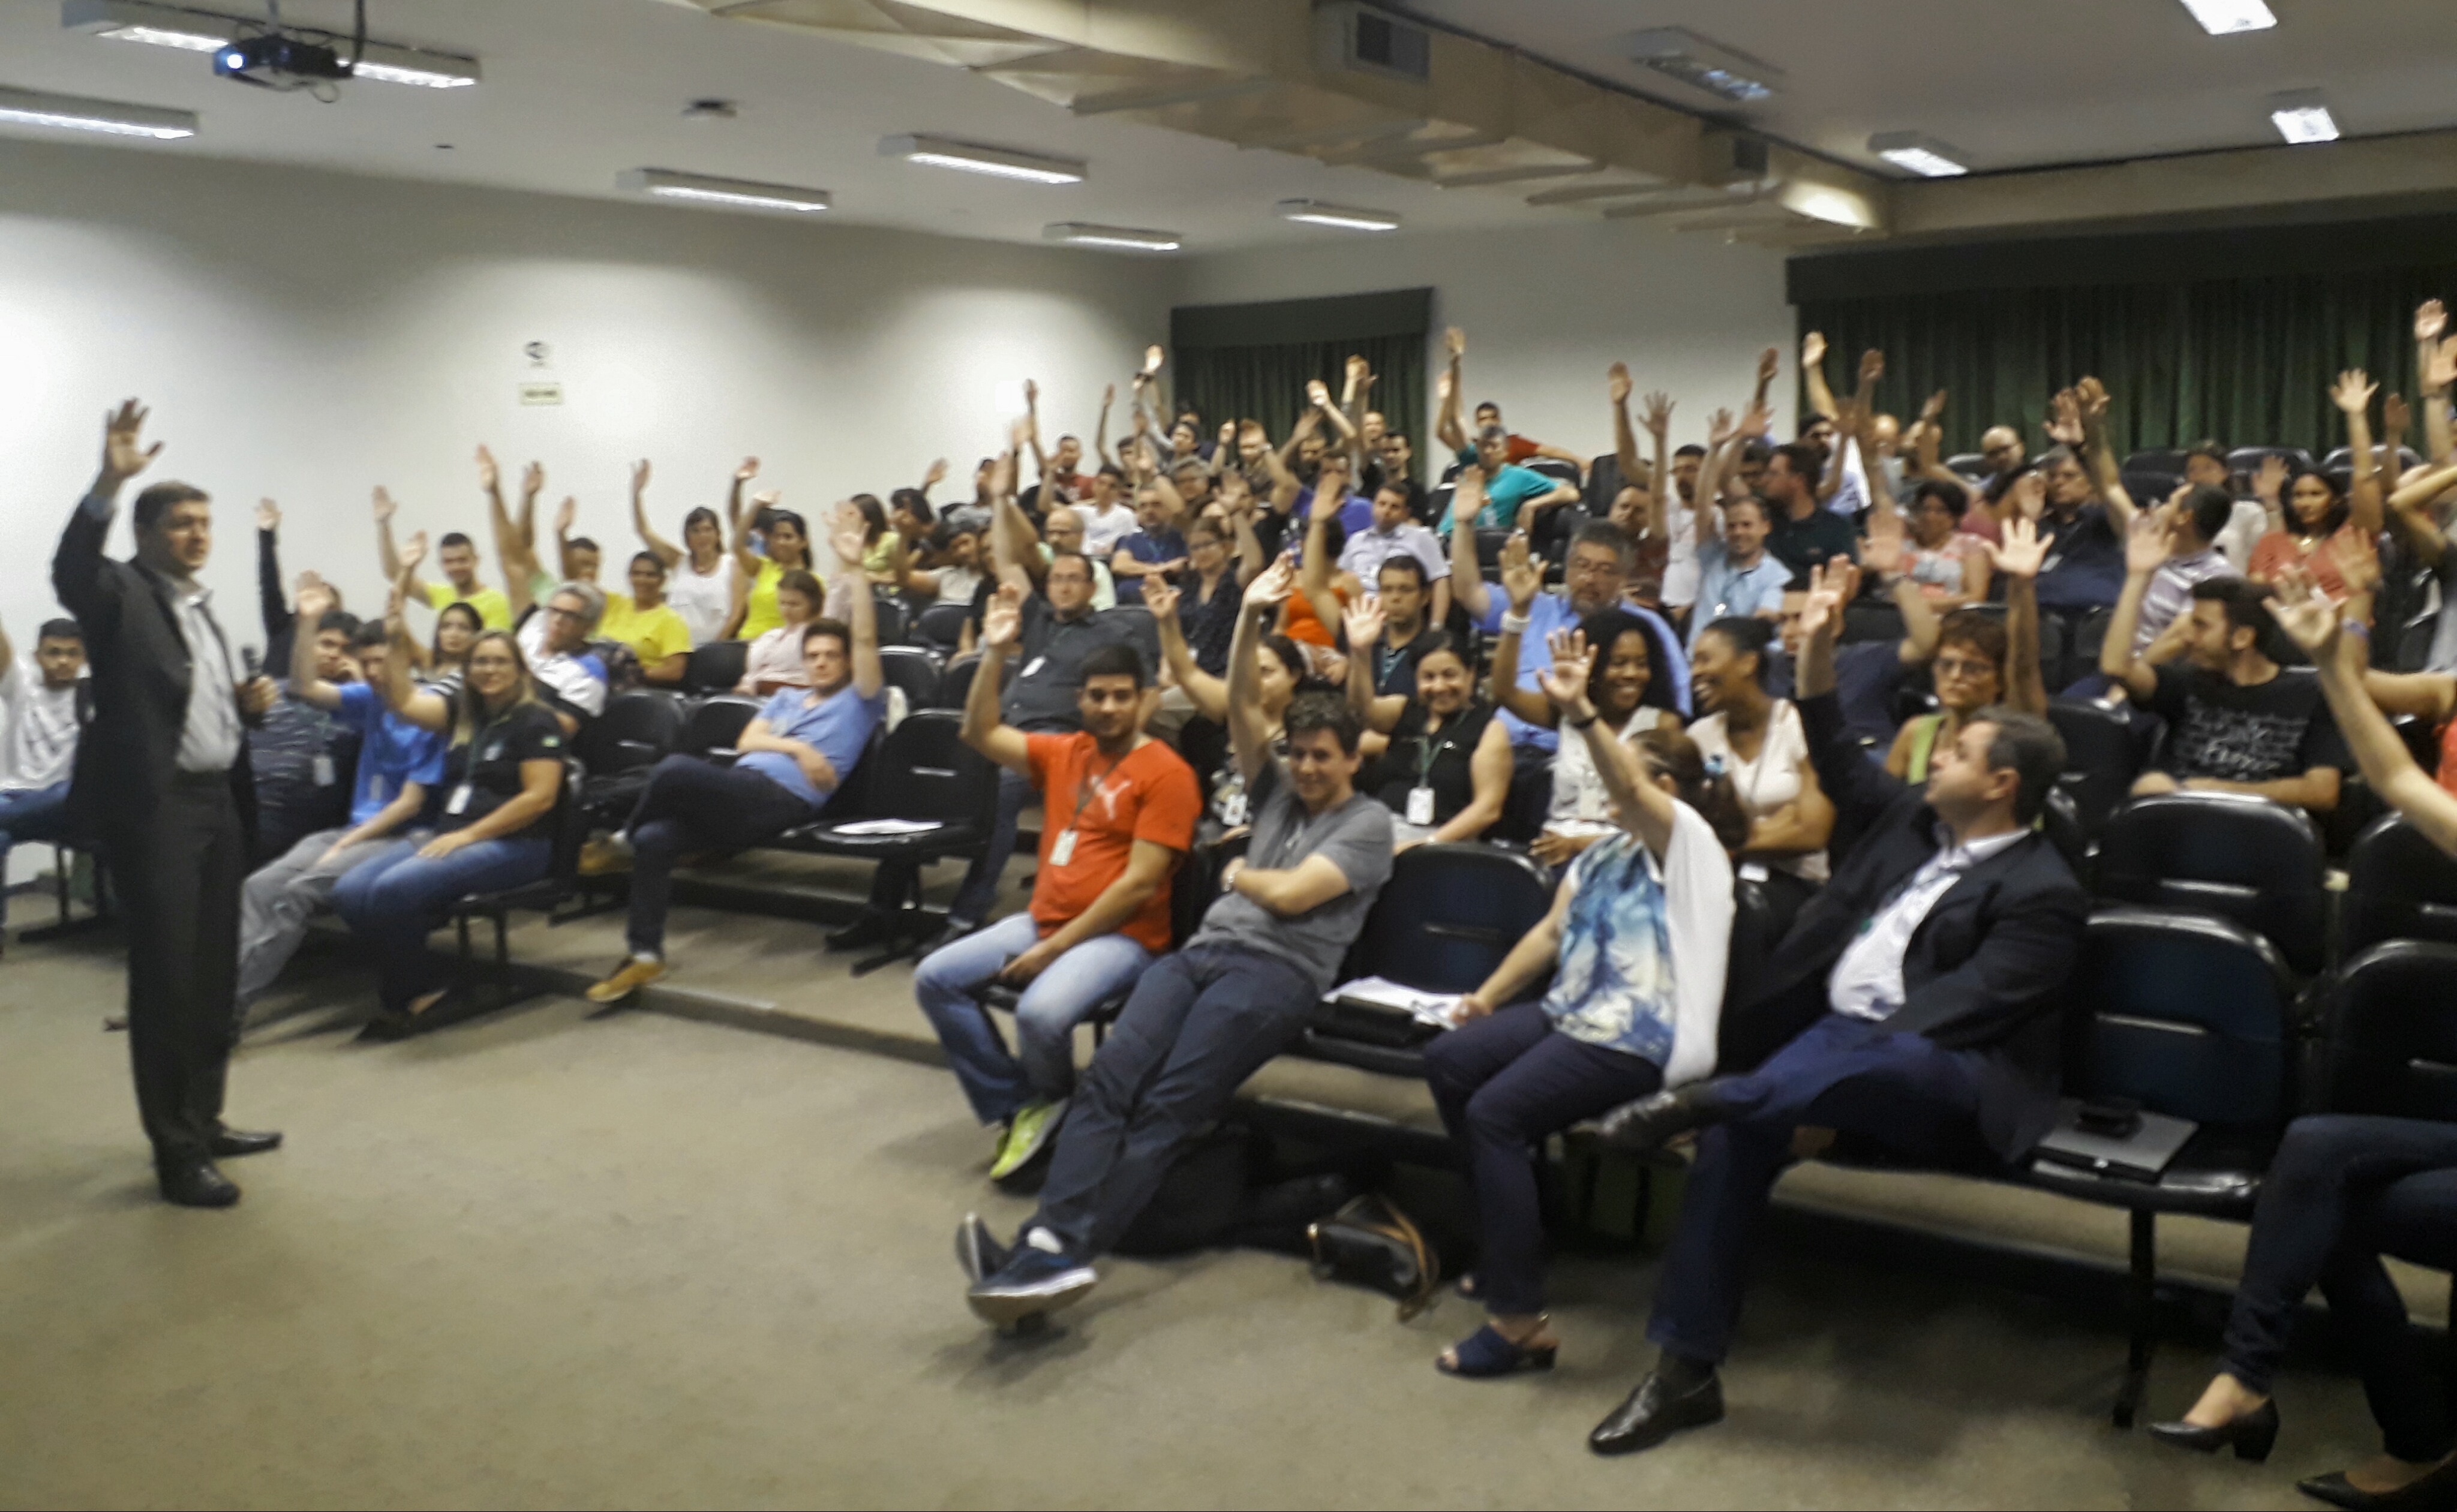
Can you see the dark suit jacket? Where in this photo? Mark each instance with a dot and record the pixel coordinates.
(1985, 971)
(141, 665)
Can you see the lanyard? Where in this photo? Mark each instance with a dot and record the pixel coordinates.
(1430, 748)
(1088, 784)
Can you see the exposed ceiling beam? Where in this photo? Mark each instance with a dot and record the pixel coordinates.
(1582, 194)
(1512, 176)
(1413, 147)
(1163, 98)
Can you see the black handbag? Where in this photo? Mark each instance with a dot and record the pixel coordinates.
(1370, 1242)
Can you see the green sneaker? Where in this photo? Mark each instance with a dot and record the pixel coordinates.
(1034, 1125)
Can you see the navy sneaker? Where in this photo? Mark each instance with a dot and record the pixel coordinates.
(978, 1249)
(1032, 1281)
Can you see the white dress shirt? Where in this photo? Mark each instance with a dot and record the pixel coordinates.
(208, 741)
(1867, 982)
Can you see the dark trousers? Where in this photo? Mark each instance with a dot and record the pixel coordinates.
(893, 881)
(1505, 1083)
(2344, 1189)
(690, 805)
(1900, 1093)
(180, 875)
(1199, 1024)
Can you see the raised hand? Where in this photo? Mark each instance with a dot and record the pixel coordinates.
(1617, 383)
(1160, 597)
(1031, 396)
(2357, 559)
(314, 599)
(936, 475)
(2092, 397)
(2354, 391)
(1770, 363)
(1565, 681)
(1935, 410)
(1002, 618)
(1821, 612)
(1521, 578)
(850, 535)
(1872, 366)
(1108, 395)
(1658, 415)
(1813, 350)
(1359, 371)
(532, 480)
(1317, 393)
(124, 453)
(1720, 429)
(2064, 419)
(1364, 621)
(2146, 544)
(2308, 616)
(2430, 319)
(749, 470)
(565, 515)
(1757, 420)
(413, 552)
(2269, 480)
(766, 498)
(1272, 589)
(640, 477)
(383, 506)
(2021, 552)
(268, 515)
(1455, 343)
(2031, 495)
(1153, 356)
(489, 476)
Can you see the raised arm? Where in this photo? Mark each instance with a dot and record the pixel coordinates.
(77, 578)
(2018, 556)
(426, 710)
(1100, 429)
(1522, 579)
(1364, 624)
(1315, 565)
(1001, 626)
(2312, 622)
(1639, 805)
(274, 608)
(2145, 549)
(1812, 376)
(1250, 736)
(2089, 411)
(566, 516)
(1467, 573)
(861, 606)
(1660, 484)
(315, 602)
(1358, 383)
(1846, 779)
(390, 559)
(1209, 695)
(1447, 429)
(2353, 397)
(663, 550)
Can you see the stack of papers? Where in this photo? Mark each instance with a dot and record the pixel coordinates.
(888, 827)
(1427, 1007)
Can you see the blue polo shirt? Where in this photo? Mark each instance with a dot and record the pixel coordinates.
(392, 752)
(1355, 512)
(1725, 590)
(836, 726)
(1503, 494)
(1146, 546)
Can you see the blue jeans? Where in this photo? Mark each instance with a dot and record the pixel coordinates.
(1043, 1068)
(34, 814)
(395, 901)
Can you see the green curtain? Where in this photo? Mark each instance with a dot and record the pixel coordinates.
(1268, 382)
(2245, 360)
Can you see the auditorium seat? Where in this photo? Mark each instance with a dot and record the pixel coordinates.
(561, 885)
(716, 667)
(891, 616)
(2399, 886)
(942, 626)
(1488, 552)
(2344, 457)
(1192, 888)
(2169, 460)
(2102, 758)
(2229, 855)
(2246, 460)
(914, 671)
(1970, 465)
(637, 731)
(2191, 1018)
(2391, 1032)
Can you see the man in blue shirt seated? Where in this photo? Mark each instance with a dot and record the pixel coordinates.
(1591, 583)
(1155, 548)
(398, 765)
(794, 756)
(1513, 494)
(1737, 575)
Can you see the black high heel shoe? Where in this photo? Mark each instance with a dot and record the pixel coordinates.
(2251, 1436)
(2436, 1488)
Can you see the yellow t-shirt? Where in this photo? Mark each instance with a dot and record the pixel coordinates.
(653, 634)
(760, 613)
(882, 554)
(494, 610)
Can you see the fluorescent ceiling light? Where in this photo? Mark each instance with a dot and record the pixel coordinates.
(740, 193)
(1131, 240)
(2219, 17)
(940, 152)
(1923, 156)
(169, 26)
(2302, 116)
(1314, 213)
(1680, 53)
(77, 113)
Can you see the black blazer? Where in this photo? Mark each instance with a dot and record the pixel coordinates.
(1984, 971)
(141, 665)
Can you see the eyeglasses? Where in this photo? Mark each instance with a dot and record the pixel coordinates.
(1956, 667)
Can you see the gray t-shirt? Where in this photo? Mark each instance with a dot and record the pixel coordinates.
(1356, 839)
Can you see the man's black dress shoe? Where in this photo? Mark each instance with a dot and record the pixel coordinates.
(1655, 1411)
(193, 1182)
(2251, 1436)
(1648, 1122)
(228, 1143)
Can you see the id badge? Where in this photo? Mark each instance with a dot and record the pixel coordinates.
(1420, 805)
(1032, 666)
(1233, 809)
(459, 804)
(324, 775)
(1062, 850)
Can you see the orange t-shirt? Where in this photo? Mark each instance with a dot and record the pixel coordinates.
(2448, 756)
(1299, 623)
(2277, 550)
(1147, 795)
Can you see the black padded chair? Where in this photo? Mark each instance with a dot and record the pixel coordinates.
(955, 681)
(2399, 886)
(2102, 757)
(717, 666)
(2169, 460)
(926, 772)
(1442, 923)
(638, 730)
(2149, 485)
(914, 670)
(1488, 552)
(2344, 457)
(713, 724)
(2246, 460)
(1604, 484)
(1437, 502)
(1970, 467)
(942, 626)
(2191, 1017)
(2230, 854)
(560, 885)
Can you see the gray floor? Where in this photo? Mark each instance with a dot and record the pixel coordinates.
(553, 1259)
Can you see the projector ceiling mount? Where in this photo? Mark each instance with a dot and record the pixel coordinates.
(289, 59)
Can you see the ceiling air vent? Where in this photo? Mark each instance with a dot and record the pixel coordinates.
(1360, 39)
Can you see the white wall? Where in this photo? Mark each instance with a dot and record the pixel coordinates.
(1547, 309)
(304, 336)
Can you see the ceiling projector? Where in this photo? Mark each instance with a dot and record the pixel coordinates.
(279, 61)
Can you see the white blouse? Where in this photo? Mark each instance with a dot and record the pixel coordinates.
(1770, 781)
(703, 599)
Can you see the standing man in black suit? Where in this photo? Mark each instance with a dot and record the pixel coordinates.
(162, 776)
(1917, 1001)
